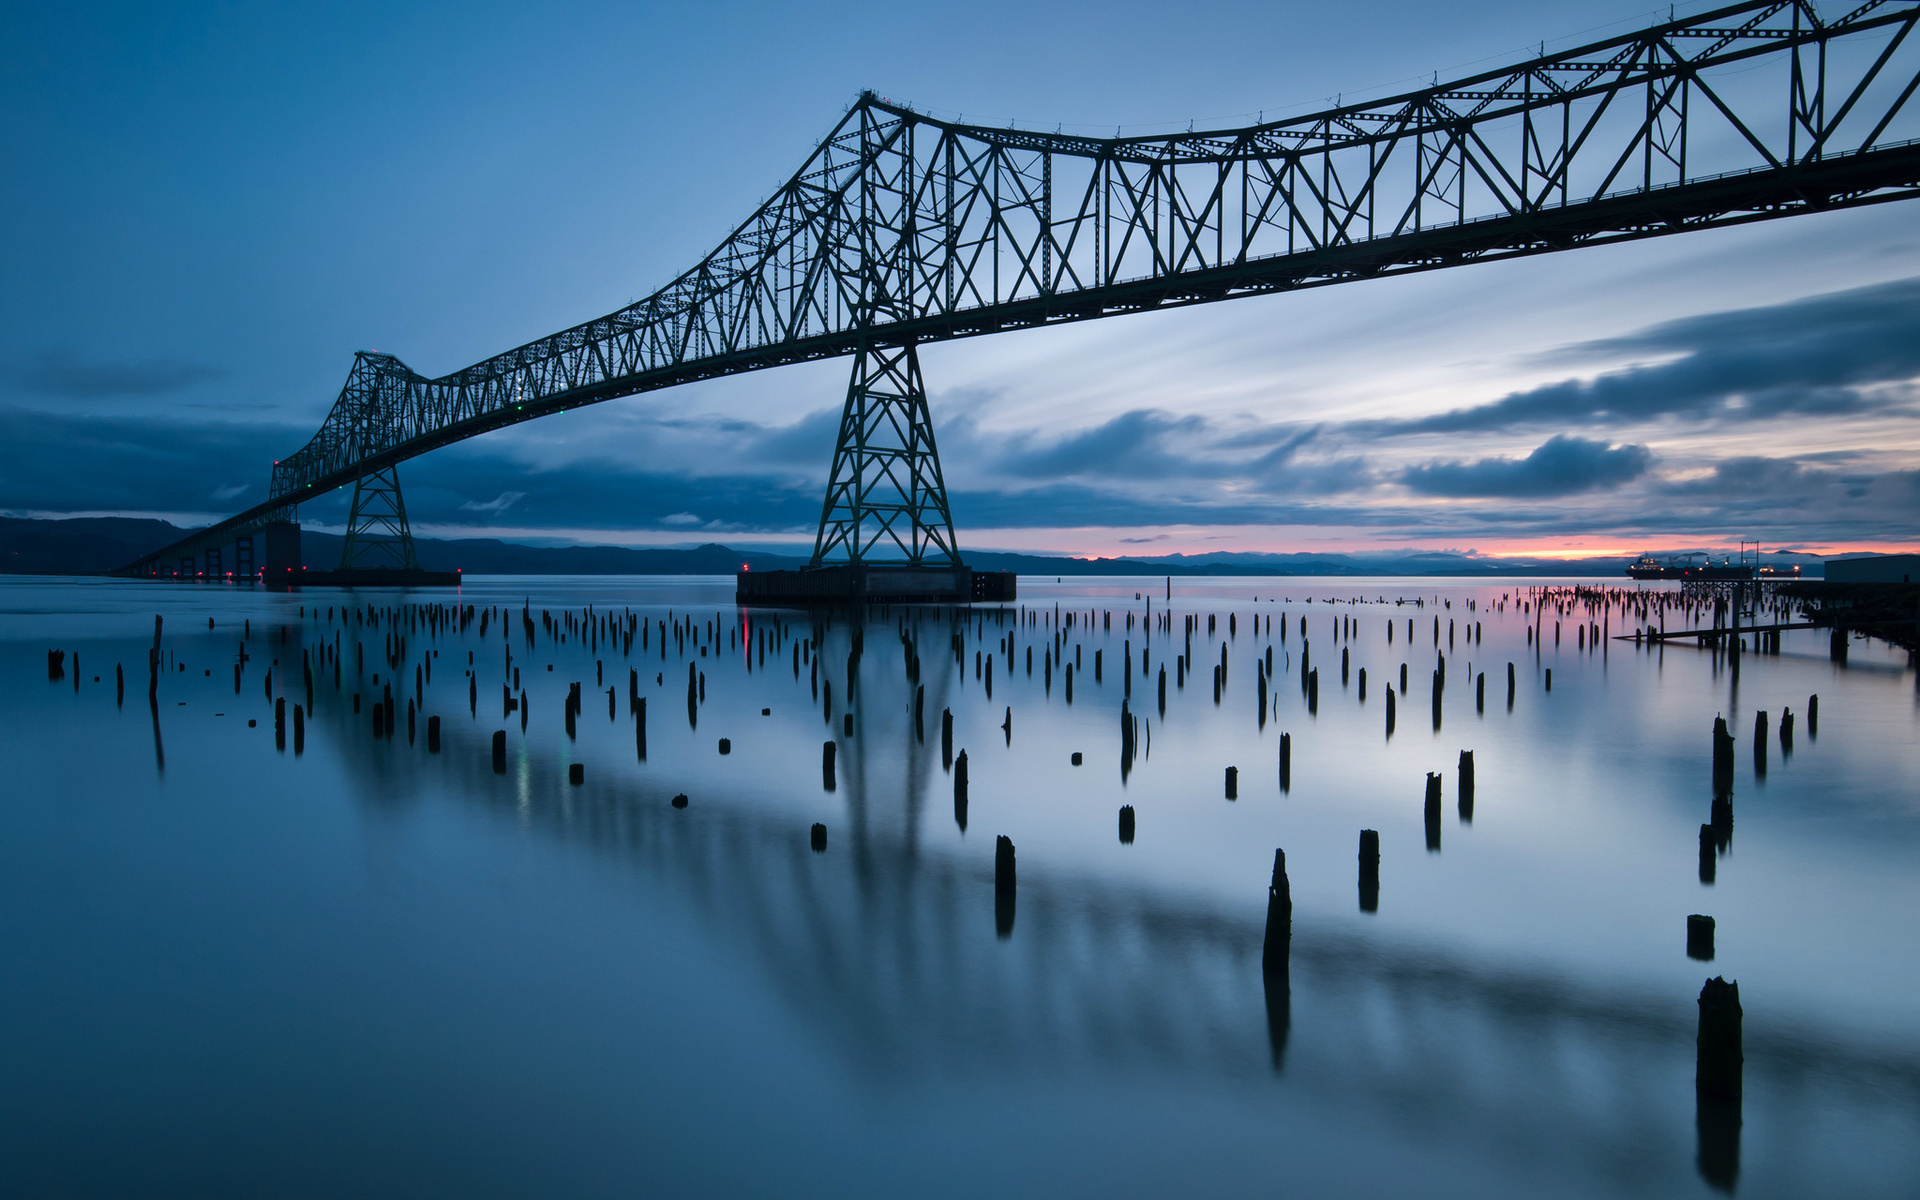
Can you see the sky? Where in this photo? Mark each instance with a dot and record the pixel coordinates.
(212, 207)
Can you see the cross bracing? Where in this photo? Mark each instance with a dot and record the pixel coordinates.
(901, 228)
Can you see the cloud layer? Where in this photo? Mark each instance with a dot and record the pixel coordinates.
(1560, 466)
(1680, 415)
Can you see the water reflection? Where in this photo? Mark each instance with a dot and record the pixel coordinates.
(885, 951)
(910, 954)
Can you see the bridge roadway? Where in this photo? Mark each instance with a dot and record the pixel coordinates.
(902, 229)
(885, 949)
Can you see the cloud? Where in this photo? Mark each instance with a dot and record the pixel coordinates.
(1744, 477)
(223, 494)
(56, 462)
(1133, 445)
(1560, 466)
(65, 376)
(680, 518)
(1840, 354)
(499, 504)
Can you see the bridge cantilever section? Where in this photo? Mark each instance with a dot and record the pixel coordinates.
(901, 228)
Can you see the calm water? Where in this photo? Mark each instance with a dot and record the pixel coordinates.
(233, 969)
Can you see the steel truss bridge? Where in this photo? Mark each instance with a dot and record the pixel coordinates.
(902, 229)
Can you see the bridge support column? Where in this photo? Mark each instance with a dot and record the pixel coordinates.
(282, 565)
(886, 497)
(244, 567)
(212, 559)
(378, 538)
(886, 533)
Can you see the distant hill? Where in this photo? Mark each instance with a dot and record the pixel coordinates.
(79, 545)
(94, 545)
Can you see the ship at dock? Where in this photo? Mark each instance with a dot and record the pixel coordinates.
(1701, 568)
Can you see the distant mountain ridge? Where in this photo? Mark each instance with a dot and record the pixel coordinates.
(96, 545)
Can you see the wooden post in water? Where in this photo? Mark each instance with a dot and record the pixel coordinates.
(1277, 948)
(1433, 812)
(1718, 1059)
(1369, 870)
(1700, 937)
(1005, 885)
(1722, 758)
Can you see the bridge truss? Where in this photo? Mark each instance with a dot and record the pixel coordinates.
(902, 229)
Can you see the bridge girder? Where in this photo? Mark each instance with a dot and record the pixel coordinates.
(901, 228)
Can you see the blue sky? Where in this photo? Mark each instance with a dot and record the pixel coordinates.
(213, 207)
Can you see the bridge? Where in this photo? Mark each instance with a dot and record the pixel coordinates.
(901, 229)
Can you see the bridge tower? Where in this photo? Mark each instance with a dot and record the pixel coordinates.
(886, 498)
(378, 537)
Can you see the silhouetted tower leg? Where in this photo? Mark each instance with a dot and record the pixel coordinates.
(377, 534)
(886, 499)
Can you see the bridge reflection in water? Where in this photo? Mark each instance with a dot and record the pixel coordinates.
(886, 950)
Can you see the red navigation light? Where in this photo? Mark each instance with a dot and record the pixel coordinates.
(745, 567)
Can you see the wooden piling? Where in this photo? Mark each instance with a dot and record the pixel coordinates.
(576, 773)
(1700, 937)
(1277, 947)
(1433, 812)
(1126, 824)
(829, 750)
(1233, 783)
(1466, 787)
(818, 837)
(1718, 1058)
(499, 752)
(1722, 758)
(1369, 870)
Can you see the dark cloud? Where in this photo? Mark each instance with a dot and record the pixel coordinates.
(1560, 466)
(1133, 445)
(60, 463)
(65, 376)
(1818, 357)
(148, 465)
(1745, 477)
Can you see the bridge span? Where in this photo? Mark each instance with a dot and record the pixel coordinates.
(901, 229)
